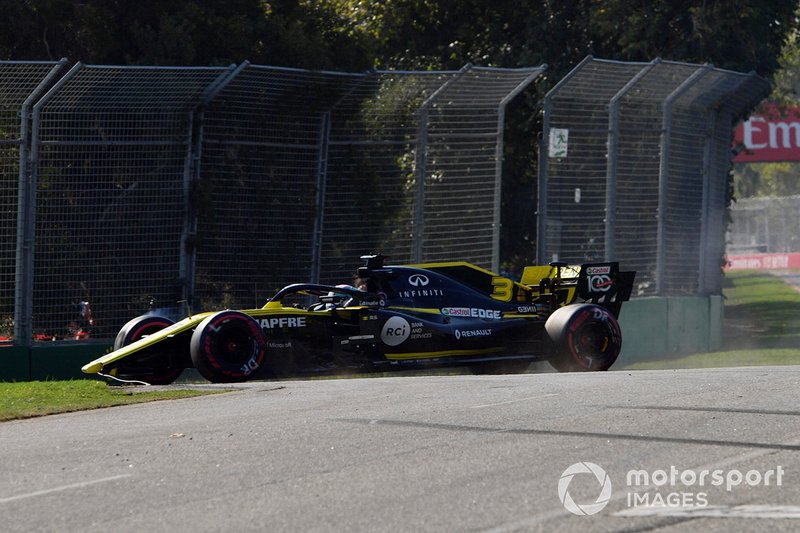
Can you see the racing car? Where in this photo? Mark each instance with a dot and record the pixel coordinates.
(399, 316)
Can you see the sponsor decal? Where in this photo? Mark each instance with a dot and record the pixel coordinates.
(373, 303)
(605, 269)
(283, 322)
(395, 331)
(418, 280)
(526, 309)
(771, 135)
(763, 261)
(472, 312)
(418, 332)
(421, 293)
(279, 345)
(599, 283)
(468, 333)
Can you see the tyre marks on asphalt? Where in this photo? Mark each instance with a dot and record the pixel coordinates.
(580, 434)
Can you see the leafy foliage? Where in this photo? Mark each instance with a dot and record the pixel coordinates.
(741, 35)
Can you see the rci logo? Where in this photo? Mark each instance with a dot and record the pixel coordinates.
(418, 280)
(395, 331)
(602, 479)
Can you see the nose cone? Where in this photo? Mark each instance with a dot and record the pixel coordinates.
(92, 368)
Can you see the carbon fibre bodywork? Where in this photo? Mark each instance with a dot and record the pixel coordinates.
(408, 316)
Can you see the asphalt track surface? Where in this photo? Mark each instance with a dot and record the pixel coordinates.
(439, 453)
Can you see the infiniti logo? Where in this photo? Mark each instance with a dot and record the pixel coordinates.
(418, 280)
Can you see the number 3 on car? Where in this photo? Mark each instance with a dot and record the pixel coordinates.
(502, 289)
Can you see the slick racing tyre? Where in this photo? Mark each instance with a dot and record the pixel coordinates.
(153, 365)
(227, 347)
(585, 337)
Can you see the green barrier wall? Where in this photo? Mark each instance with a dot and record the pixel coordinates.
(656, 327)
(15, 363)
(48, 361)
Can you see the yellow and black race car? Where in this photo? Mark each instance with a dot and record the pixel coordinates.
(400, 316)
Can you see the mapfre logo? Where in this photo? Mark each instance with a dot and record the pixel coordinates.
(586, 508)
(418, 280)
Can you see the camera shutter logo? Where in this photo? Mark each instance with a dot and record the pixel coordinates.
(590, 508)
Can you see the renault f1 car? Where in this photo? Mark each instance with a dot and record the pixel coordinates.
(444, 314)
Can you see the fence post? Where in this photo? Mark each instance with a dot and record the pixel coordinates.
(22, 299)
(191, 178)
(711, 167)
(706, 201)
(663, 172)
(611, 165)
(26, 231)
(420, 161)
(322, 181)
(498, 170)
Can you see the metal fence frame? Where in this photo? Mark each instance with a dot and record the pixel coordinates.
(86, 127)
(293, 144)
(652, 154)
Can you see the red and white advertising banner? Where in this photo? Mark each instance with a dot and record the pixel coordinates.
(773, 134)
(763, 261)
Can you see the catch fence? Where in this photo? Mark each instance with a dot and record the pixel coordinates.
(634, 167)
(764, 225)
(171, 188)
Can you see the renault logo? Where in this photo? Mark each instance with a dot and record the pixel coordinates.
(418, 280)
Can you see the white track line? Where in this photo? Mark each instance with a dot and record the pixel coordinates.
(512, 401)
(62, 488)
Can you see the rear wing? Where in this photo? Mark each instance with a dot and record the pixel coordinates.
(560, 284)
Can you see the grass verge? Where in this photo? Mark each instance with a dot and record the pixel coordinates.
(761, 327)
(38, 398)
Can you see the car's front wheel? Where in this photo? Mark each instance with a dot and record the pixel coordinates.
(155, 364)
(227, 347)
(585, 337)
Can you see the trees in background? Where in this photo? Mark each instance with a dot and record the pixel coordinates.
(354, 35)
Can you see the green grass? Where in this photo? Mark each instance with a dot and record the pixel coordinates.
(38, 398)
(761, 327)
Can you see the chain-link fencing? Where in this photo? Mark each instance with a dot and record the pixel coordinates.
(764, 225)
(634, 167)
(189, 187)
(21, 83)
(172, 188)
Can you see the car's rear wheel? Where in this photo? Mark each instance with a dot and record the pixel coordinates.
(227, 347)
(155, 364)
(585, 337)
